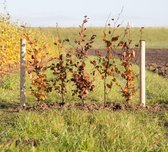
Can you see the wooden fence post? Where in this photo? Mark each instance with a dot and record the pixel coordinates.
(142, 74)
(22, 72)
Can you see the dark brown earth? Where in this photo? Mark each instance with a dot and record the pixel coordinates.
(156, 59)
(110, 106)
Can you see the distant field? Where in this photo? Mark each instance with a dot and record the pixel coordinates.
(155, 37)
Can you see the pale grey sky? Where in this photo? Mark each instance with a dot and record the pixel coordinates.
(71, 12)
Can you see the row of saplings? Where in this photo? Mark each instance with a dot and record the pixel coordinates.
(69, 66)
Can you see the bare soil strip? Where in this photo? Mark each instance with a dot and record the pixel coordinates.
(156, 59)
(110, 106)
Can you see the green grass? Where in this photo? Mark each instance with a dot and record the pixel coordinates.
(75, 130)
(155, 37)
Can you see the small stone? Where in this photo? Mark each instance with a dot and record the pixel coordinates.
(166, 124)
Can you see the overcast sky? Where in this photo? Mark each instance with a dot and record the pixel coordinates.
(71, 12)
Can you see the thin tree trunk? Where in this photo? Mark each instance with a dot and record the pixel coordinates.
(105, 89)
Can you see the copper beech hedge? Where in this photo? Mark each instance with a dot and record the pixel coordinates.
(70, 65)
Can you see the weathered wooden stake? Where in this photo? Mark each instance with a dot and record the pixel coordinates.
(22, 72)
(142, 73)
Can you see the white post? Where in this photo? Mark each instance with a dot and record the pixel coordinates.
(22, 72)
(142, 73)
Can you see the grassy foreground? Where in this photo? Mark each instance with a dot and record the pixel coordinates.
(82, 131)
